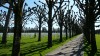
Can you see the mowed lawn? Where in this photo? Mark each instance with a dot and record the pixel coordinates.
(98, 44)
(87, 48)
(30, 45)
(98, 41)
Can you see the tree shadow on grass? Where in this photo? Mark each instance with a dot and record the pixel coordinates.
(37, 48)
(87, 49)
(30, 49)
(93, 53)
(89, 52)
(33, 48)
(5, 54)
(8, 45)
(98, 52)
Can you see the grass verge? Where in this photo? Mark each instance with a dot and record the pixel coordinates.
(30, 46)
(87, 49)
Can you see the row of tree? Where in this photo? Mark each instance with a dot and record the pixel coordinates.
(63, 15)
(89, 13)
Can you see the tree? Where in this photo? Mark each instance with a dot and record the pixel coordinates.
(44, 29)
(61, 20)
(2, 17)
(50, 5)
(66, 24)
(39, 12)
(89, 7)
(17, 8)
(4, 37)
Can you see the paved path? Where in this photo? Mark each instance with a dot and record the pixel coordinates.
(72, 48)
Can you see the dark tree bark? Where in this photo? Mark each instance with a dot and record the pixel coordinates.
(86, 33)
(72, 31)
(50, 25)
(66, 33)
(93, 40)
(17, 28)
(4, 37)
(87, 26)
(60, 23)
(92, 29)
(61, 20)
(61, 31)
(39, 38)
(69, 31)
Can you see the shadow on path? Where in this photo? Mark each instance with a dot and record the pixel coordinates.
(72, 48)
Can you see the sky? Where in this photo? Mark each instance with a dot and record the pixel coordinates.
(31, 4)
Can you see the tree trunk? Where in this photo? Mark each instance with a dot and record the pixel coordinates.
(17, 28)
(87, 34)
(50, 25)
(69, 31)
(60, 32)
(61, 21)
(73, 30)
(4, 37)
(50, 35)
(93, 40)
(92, 21)
(87, 26)
(66, 32)
(39, 38)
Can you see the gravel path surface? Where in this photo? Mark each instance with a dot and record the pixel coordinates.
(72, 48)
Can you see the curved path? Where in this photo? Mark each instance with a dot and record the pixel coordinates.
(72, 48)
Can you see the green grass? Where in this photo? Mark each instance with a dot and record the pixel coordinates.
(87, 50)
(30, 46)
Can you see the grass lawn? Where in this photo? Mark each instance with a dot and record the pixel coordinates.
(30, 46)
(87, 47)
